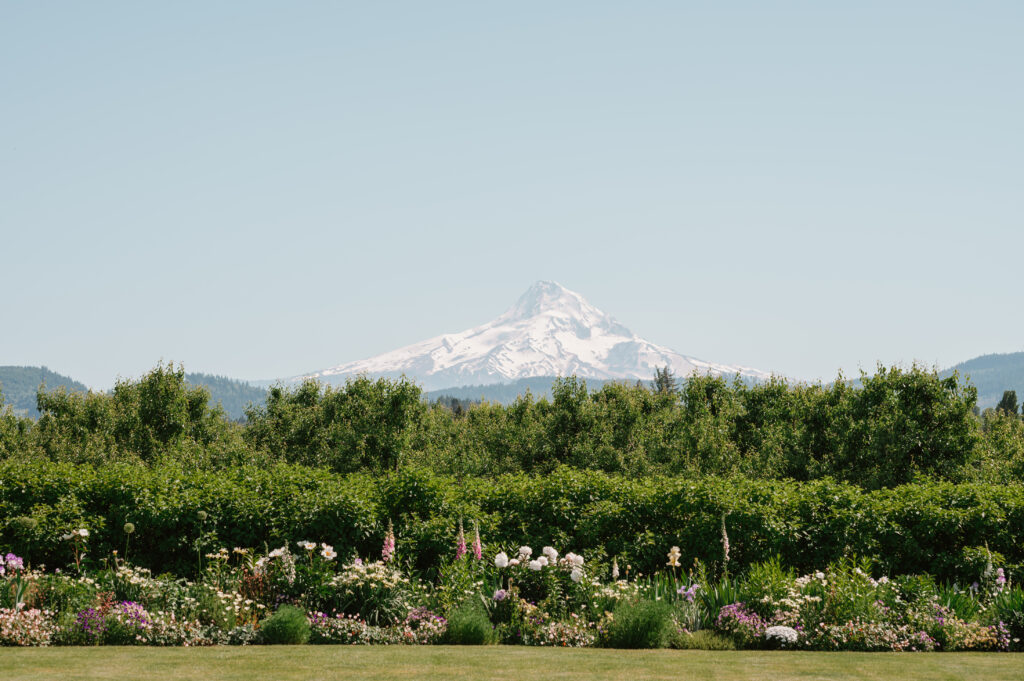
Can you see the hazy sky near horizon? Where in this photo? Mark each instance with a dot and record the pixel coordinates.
(260, 189)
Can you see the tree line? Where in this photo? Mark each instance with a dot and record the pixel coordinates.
(888, 429)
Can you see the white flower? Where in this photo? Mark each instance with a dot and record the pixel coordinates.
(83, 532)
(513, 562)
(574, 559)
(576, 574)
(68, 536)
(543, 560)
(329, 553)
(501, 560)
(535, 565)
(819, 575)
(276, 553)
(551, 554)
(307, 545)
(525, 552)
(782, 635)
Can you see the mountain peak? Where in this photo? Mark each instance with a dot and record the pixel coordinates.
(550, 331)
(546, 297)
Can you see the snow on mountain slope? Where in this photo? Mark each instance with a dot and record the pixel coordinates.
(550, 331)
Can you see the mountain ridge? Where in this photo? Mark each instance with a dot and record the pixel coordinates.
(549, 331)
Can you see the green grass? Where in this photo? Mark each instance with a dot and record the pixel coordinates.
(284, 663)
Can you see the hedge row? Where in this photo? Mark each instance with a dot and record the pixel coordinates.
(933, 527)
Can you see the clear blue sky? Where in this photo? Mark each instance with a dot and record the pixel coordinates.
(261, 189)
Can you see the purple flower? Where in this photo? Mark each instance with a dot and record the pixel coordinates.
(499, 595)
(16, 563)
(688, 593)
(1000, 577)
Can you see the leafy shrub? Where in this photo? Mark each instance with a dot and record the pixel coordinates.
(809, 525)
(639, 624)
(469, 625)
(287, 626)
(374, 592)
(1008, 608)
(744, 626)
(703, 639)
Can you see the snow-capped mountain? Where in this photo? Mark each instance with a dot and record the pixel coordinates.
(550, 331)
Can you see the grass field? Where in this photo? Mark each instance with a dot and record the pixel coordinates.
(440, 662)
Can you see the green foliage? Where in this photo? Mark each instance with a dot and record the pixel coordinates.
(703, 639)
(898, 426)
(287, 626)
(1008, 607)
(469, 625)
(158, 416)
(639, 624)
(1008, 403)
(365, 425)
(916, 528)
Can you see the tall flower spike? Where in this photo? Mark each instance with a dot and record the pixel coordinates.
(460, 547)
(725, 545)
(478, 548)
(388, 551)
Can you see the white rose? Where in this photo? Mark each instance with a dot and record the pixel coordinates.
(535, 565)
(543, 560)
(551, 554)
(83, 532)
(525, 552)
(576, 574)
(501, 560)
(513, 562)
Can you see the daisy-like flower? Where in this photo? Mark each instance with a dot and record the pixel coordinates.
(329, 553)
(307, 545)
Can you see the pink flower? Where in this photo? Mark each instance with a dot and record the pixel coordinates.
(478, 548)
(460, 547)
(389, 544)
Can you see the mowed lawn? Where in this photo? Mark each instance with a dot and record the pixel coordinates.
(284, 663)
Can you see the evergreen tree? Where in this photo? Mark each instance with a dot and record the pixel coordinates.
(1009, 402)
(665, 381)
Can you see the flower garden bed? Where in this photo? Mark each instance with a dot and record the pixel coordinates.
(306, 593)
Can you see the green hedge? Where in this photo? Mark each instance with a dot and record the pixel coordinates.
(923, 527)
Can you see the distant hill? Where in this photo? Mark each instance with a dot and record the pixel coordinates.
(18, 385)
(233, 395)
(506, 393)
(993, 374)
